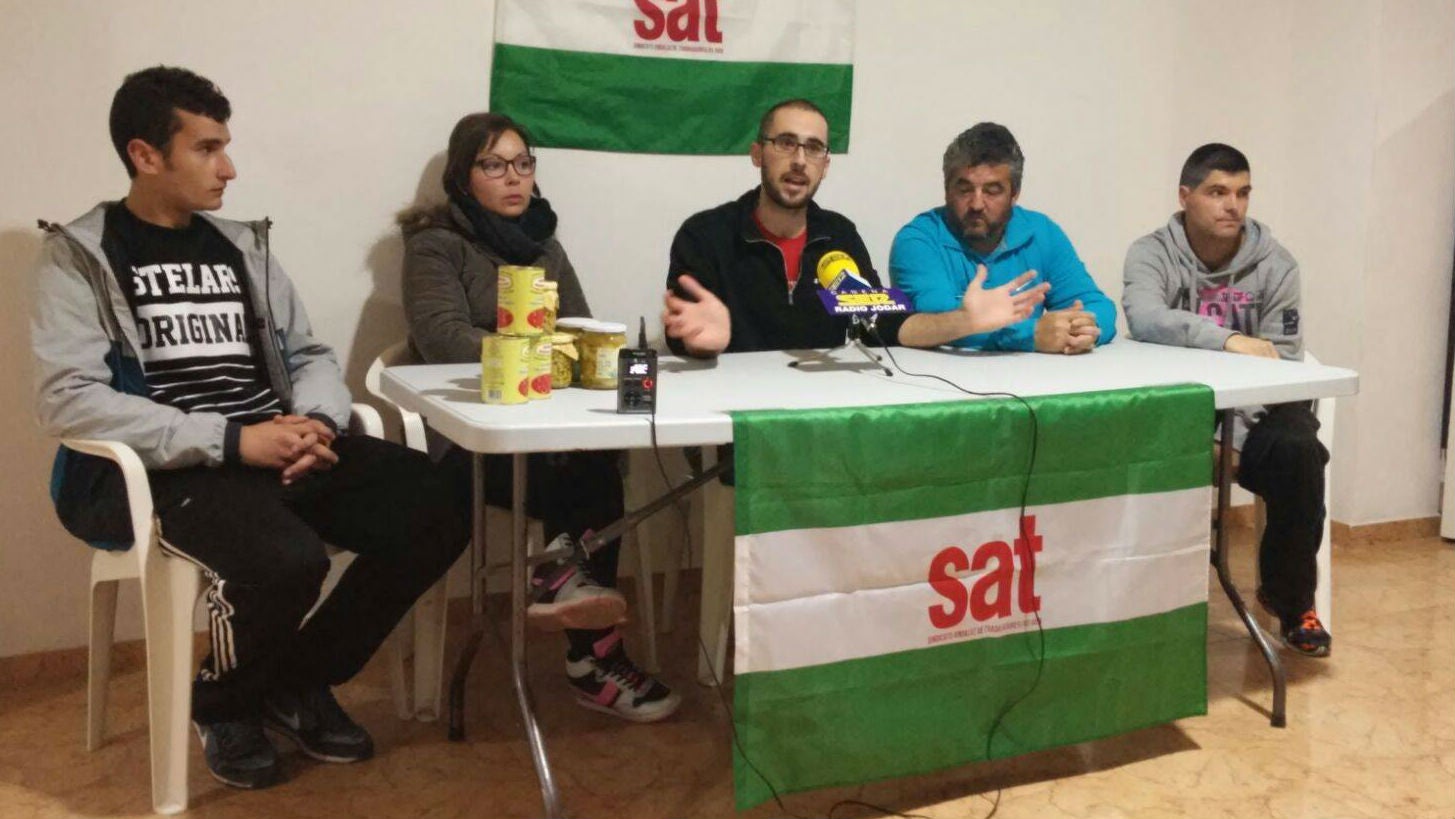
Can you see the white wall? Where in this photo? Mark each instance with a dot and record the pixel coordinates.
(1347, 110)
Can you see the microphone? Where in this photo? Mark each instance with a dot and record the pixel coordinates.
(845, 292)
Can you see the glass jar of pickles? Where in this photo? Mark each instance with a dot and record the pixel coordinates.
(564, 358)
(573, 326)
(600, 343)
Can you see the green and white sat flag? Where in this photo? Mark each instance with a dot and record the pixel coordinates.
(890, 606)
(669, 76)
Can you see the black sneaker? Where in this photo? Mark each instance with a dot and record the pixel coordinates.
(239, 754)
(317, 723)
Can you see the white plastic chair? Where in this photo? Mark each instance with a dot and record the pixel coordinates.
(429, 655)
(170, 587)
(430, 612)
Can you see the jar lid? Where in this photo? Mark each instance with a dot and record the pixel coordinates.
(608, 327)
(573, 322)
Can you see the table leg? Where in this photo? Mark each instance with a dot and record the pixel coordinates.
(519, 585)
(716, 608)
(1225, 480)
(477, 601)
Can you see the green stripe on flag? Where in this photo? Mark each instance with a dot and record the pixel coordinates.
(607, 102)
(920, 711)
(800, 470)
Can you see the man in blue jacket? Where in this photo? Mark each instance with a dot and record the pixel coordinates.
(981, 229)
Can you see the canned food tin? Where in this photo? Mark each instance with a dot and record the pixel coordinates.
(551, 294)
(520, 307)
(505, 369)
(540, 367)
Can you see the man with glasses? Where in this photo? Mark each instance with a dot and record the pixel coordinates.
(742, 275)
(981, 232)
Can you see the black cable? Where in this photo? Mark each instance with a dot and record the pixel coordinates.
(717, 680)
(702, 646)
(871, 806)
(1020, 524)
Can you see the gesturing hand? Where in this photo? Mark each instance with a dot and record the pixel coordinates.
(1000, 306)
(701, 322)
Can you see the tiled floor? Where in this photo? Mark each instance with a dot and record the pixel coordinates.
(1371, 734)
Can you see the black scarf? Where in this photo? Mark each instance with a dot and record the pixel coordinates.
(518, 240)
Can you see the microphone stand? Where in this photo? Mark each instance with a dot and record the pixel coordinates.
(859, 328)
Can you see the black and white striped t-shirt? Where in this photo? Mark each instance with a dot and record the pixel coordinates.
(188, 291)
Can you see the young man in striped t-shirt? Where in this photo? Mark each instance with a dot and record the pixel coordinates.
(178, 334)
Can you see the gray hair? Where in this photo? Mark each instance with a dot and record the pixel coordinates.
(985, 144)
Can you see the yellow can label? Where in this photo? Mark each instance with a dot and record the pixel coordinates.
(505, 365)
(520, 306)
(540, 368)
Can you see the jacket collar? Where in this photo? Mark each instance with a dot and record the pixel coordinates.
(87, 228)
(748, 228)
(1018, 234)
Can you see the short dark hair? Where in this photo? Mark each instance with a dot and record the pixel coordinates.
(145, 107)
(797, 102)
(985, 143)
(471, 135)
(1214, 156)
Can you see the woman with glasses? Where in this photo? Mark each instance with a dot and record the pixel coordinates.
(496, 216)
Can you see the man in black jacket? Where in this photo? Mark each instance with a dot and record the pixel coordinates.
(742, 275)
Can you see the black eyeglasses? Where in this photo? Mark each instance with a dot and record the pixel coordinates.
(494, 167)
(789, 143)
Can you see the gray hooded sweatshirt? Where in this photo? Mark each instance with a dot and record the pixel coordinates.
(1171, 297)
(89, 382)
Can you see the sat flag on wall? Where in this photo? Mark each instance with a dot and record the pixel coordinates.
(669, 76)
(897, 614)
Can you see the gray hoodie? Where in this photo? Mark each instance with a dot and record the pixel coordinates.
(88, 377)
(1170, 297)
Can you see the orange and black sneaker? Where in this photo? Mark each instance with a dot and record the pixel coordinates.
(1307, 635)
(1304, 633)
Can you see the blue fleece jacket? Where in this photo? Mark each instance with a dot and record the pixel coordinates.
(933, 266)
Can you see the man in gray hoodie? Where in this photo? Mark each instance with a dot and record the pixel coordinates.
(1214, 279)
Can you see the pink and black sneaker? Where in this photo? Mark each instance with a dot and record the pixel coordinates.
(608, 681)
(566, 597)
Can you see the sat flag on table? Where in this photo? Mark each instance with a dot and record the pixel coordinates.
(669, 76)
(896, 614)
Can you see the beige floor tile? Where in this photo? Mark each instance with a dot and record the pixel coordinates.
(1371, 734)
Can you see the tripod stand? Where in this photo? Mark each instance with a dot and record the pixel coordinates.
(860, 327)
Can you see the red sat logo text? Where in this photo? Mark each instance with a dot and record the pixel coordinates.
(1008, 579)
(692, 21)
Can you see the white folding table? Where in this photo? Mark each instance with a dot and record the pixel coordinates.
(695, 397)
